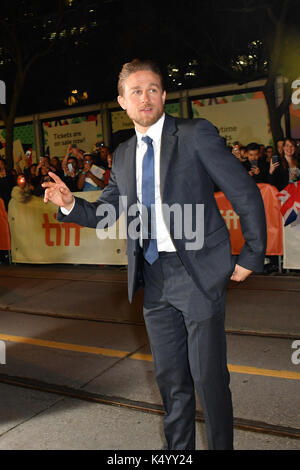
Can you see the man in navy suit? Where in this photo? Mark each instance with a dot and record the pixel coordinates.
(182, 257)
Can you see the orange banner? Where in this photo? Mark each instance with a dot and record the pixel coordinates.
(4, 228)
(273, 217)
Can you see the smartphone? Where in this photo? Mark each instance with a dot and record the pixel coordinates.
(70, 167)
(275, 159)
(254, 163)
(74, 146)
(99, 145)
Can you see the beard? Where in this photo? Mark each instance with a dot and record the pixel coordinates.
(147, 120)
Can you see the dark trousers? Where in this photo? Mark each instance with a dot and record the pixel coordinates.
(189, 352)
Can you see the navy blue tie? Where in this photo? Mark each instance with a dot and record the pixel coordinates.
(148, 199)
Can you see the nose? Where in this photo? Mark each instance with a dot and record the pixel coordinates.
(145, 96)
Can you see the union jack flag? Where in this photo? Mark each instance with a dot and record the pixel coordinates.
(290, 202)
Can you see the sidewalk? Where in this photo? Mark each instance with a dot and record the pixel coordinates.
(262, 304)
(75, 295)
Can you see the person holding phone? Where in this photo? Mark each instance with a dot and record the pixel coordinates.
(71, 169)
(91, 177)
(284, 169)
(256, 166)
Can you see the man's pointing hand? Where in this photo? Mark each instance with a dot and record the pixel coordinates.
(58, 192)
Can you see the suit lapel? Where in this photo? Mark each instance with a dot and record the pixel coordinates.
(168, 156)
(130, 171)
(168, 151)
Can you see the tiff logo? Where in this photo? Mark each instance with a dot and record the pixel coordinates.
(2, 92)
(57, 228)
(231, 218)
(2, 352)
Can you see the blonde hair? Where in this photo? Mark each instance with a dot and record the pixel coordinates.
(137, 65)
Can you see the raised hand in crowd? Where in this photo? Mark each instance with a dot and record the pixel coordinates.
(77, 153)
(58, 192)
(254, 171)
(273, 166)
(64, 163)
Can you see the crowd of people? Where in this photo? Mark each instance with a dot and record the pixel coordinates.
(79, 170)
(278, 167)
(83, 171)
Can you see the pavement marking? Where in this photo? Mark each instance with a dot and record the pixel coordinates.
(64, 346)
(239, 369)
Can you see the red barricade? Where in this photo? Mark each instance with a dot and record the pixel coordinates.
(4, 228)
(273, 217)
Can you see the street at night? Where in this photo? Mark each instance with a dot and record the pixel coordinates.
(79, 374)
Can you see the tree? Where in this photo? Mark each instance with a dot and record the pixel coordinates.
(279, 52)
(30, 30)
(247, 40)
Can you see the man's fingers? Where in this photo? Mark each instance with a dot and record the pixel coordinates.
(46, 195)
(55, 177)
(64, 190)
(48, 184)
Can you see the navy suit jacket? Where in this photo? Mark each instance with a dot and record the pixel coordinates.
(193, 157)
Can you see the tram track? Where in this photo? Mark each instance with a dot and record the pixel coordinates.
(243, 424)
(86, 318)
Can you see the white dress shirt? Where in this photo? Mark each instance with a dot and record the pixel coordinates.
(164, 241)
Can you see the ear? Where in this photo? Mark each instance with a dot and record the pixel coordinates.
(164, 96)
(122, 102)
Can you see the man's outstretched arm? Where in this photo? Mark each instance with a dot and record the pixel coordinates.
(78, 210)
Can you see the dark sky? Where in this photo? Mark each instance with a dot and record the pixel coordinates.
(125, 29)
(170, 32)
